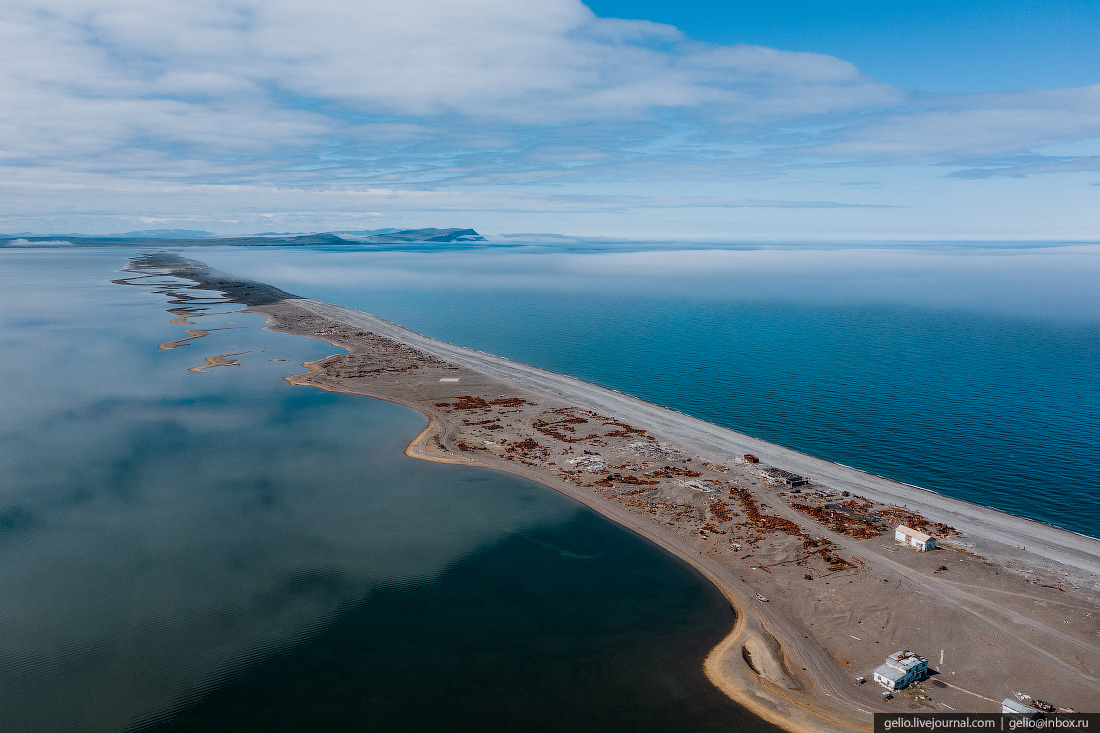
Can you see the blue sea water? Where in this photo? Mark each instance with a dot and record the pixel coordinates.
(972, 370)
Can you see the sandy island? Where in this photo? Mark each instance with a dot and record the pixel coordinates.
(1005, 605)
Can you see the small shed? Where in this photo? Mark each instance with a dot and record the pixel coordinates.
(912, 538)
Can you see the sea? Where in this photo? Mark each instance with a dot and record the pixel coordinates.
(198, 547)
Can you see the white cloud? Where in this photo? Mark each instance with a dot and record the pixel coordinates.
(123, 95)
(84, 78)
(950, 126)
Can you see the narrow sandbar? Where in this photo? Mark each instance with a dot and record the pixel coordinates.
(821, 591)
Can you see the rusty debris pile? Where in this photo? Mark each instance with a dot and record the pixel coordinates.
(863, 519)
(671, 471)
(860, 526)
(469, 402)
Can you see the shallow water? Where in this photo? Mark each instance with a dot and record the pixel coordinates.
(970, 370)
(221, 550)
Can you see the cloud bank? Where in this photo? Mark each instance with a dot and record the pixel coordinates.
(1059, 283)
(486, 94)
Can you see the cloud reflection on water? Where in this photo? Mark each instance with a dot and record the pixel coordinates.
(160, 529)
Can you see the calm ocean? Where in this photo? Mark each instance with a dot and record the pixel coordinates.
(973, 370)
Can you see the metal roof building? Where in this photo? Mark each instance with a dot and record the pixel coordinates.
(912, 538)
(1015, 707)
(901, 669)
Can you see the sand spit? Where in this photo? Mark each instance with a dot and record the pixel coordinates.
(821, 591)
(218, 360)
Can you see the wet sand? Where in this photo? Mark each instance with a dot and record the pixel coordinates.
(1006, 605)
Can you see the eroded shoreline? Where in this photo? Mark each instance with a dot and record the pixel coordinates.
(840, 596)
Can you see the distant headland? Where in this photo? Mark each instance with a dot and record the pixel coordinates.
(185, 237)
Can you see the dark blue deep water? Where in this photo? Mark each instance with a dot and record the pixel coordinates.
(973, 371)
(222, 551)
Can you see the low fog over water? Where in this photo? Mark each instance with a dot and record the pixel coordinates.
(1060, 282)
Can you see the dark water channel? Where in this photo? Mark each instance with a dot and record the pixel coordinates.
(220, 550)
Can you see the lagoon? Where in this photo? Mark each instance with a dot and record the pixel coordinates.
(221, 550)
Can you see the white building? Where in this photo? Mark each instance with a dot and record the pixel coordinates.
(912, 538)
(901, 669)
(1014, 707)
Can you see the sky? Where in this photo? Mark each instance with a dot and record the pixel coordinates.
(647, 119)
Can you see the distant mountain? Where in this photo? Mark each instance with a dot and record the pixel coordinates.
(191, 237)
(368, 236)
(423, 235)
(163, 234)
(368, 232)
(357, 232)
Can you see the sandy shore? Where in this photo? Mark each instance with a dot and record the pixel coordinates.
(1007, 605)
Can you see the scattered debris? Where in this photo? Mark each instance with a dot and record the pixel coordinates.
(658, 451)
(591, 463)
(842, 521)
(788, 479)
(670, 471)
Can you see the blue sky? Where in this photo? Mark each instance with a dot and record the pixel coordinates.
(791, 120)
(936, 46)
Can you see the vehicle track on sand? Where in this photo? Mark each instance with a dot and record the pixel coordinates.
(962, 599)
(1052, 601)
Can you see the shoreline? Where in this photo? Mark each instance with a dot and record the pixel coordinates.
(941, 506)
(421, 447)
(396, 329)
(776, 661)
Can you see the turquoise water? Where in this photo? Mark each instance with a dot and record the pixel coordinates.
(225, 551)
(970, 370)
